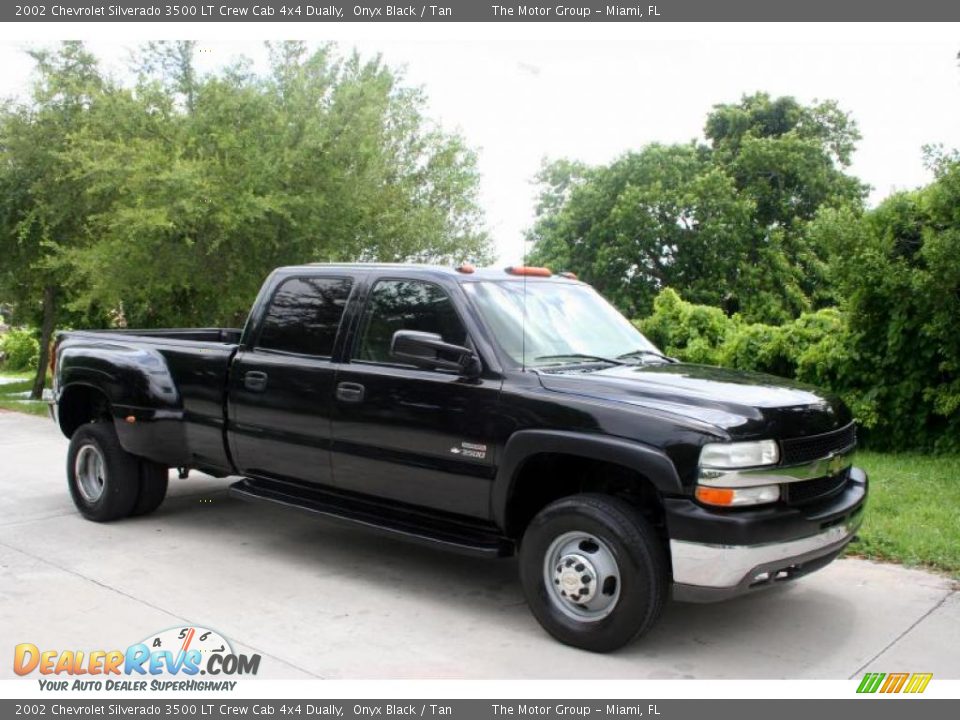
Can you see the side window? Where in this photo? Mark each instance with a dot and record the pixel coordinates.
(405, 305)
(304, 315)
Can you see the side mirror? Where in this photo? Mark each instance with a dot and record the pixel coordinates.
(428, 350)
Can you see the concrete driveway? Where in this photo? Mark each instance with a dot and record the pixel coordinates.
(321, 600)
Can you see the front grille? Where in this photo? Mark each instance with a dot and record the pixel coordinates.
(797, 451)
(801, 493)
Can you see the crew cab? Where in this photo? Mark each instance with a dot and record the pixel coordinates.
(493, 412)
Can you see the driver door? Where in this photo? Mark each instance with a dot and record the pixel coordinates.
(419, 436)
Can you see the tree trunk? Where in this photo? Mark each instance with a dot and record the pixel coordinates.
(46, 335)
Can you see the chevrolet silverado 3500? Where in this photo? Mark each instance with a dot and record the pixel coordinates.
(492, 412)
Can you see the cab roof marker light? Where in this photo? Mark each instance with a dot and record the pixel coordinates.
(568, 275)
(529, 271)
(466, 268)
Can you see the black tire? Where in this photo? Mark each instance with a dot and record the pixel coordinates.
(119, 473)
(640, 560)
(153, 487)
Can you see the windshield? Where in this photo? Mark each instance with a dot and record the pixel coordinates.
(563, 321)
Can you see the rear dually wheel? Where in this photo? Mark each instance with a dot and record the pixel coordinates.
(104, 479)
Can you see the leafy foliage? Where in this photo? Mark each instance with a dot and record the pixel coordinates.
(43, 206)
(782, 270)
(891, 354)
(693, 333)
(898, 268)
(168, 201)
(661, 217)
(20, 350)
(724, 224)
(809, 348)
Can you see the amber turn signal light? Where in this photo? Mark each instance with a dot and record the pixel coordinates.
(715, 496)
(738, 497)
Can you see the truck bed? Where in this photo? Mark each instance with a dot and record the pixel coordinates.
(166, 388)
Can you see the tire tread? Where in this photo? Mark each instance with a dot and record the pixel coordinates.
(154, 479)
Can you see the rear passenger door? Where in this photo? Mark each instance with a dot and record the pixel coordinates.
(414, 435)
(281, 386)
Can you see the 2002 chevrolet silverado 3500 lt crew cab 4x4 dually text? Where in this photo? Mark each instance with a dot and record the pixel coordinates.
(488, 411)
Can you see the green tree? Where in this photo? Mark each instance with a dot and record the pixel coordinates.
(43, 206)
(167, 201)
(898, 268)
(789, 159)
(891, 348)
(206, 182)
(724, 223)
(661, 217)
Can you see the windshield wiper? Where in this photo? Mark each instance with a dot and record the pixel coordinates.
(644, 353)
(579, 356)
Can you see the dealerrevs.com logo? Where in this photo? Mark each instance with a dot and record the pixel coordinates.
(169, 660)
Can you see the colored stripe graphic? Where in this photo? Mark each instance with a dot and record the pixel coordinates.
(894, 682)
(918, 682)
(870, 682)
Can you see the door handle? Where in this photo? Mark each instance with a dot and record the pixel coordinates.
(255, 381)
(350, 392)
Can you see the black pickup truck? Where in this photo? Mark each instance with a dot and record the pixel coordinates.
(494, 412)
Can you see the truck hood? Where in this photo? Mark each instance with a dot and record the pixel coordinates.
(743, 404)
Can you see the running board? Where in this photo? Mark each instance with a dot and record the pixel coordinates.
(413, 524)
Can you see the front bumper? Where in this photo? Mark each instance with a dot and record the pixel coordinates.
(718, 555)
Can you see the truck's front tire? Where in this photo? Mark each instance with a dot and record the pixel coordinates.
(104, 479)
(593, 571)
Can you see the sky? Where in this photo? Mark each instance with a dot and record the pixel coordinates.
(523, 93)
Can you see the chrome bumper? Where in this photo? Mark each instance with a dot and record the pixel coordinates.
(703, 572)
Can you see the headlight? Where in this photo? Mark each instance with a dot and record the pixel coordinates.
(727, 456)
(721, 485)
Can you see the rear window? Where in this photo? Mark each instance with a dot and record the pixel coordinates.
(304, 315)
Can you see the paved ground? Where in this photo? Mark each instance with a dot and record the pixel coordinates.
(319, 600)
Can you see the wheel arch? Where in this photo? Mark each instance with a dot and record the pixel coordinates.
(80, 403)
(649, 468)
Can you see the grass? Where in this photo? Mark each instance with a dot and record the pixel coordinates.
(913, 513)
(11, 385)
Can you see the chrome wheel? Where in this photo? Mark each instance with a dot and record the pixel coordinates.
(582, 576)
(90, 473)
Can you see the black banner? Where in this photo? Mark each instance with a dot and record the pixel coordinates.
(478, 11)
(326, 709)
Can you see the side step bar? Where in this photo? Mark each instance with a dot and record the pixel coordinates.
(458, 535)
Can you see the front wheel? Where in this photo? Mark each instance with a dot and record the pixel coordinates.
(593, 571)
(104, 479)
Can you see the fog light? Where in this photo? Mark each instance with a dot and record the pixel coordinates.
(738, 497)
